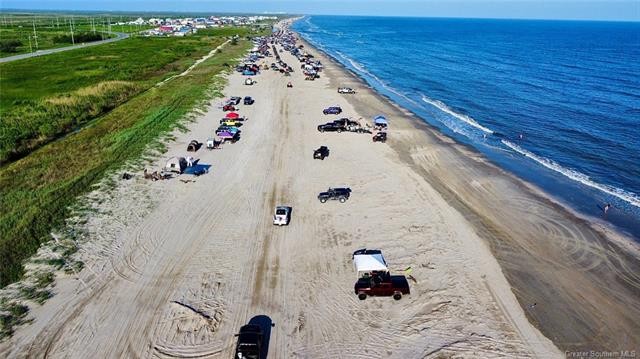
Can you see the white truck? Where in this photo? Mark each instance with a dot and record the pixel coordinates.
(282, 216)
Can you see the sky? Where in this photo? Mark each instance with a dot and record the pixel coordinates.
(626, 10)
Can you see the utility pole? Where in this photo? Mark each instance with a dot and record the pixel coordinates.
(73, 42)
(35, 34)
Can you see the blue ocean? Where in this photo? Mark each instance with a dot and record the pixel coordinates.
(556, 103)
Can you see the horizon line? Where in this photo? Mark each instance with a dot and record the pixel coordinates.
(287, 14)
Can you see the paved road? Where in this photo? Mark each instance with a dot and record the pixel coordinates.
(119, 36)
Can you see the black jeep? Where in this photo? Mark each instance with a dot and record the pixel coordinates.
(321, 153)
(340, 194)
(248, 100)
(249, 342)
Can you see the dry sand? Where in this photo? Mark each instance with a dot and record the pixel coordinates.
(174, 269)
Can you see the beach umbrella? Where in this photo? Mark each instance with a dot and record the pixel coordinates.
(232, 115)
(380, 120)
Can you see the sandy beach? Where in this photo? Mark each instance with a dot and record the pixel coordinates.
(175, 268)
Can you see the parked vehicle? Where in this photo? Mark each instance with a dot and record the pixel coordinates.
(380, 137)
(330, 127)
(228, 107)
(226, 128)
(193, 146)
(333, 110)
(248, 100)
(249, 81)
(249, 343)
(230, 122)
(321, 153)
(382, 286)
(347, 90)
(340, 194)
(347, 124)
(282, 216)
(235, 100)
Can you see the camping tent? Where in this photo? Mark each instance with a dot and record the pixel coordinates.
(232, 115)
(380, 120)
(176, 164)
(367, 263)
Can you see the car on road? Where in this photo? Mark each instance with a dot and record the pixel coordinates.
(333, 110)
(347, 90)
(321, 153)
(249, 344)
(248, 100)
(382, 286)
(282, 216)
(340, 194)
(235, 100)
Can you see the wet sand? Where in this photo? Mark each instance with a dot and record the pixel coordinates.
(577, 282)
(174, 268)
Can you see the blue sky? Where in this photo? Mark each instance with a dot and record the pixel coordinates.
(541, 9)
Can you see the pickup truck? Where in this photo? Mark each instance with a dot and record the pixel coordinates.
(395, 285)
(282, 216)
(340, 194)
(249, 344)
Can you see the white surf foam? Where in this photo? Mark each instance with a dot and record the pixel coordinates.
(626, 196)
(444, 108)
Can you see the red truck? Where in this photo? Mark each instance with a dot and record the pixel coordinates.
(382, 286)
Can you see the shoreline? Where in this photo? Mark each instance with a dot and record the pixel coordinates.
(620, 235)
(606, 242)
(622, 223)
(180, 274)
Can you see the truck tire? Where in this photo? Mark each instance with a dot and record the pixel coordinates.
(397, 295)
(342, 200)
(323, 200)
(362, 296)
(339, 130)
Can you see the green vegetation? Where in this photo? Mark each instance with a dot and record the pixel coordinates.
(31, 32)
(38, 189)
(46, 97)
(11, 315)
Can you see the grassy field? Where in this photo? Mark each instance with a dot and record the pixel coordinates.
(46, 97)
(35, 32)
(38, 189)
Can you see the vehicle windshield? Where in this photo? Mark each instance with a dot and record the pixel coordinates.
(281, 211)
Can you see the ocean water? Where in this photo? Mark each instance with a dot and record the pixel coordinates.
(571, 89)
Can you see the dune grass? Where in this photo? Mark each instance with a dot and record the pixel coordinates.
(38, 189)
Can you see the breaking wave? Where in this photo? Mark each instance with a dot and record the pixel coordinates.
(626, 196)
(444, 108)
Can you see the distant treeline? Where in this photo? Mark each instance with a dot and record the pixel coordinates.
(78, 37)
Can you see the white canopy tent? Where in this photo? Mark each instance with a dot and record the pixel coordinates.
(367, 263)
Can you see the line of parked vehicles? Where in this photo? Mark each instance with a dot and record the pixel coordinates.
(374, 278)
